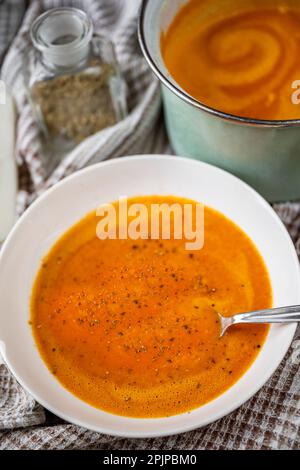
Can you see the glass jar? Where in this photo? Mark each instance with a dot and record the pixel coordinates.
(73, 79)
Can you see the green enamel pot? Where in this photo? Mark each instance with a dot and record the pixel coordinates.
(265, 154)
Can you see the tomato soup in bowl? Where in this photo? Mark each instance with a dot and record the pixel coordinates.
(108, 334)
(131, 326)
(230, 82)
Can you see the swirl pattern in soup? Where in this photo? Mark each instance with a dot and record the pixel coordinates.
(238, 57)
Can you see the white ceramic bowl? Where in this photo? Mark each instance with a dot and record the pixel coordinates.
(66, 203)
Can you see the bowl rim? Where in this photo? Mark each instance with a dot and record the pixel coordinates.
(180, 93)
(263, 378)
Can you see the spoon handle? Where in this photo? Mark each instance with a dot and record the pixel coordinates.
(273, 315)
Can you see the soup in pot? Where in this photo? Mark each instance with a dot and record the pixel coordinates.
(239, 57)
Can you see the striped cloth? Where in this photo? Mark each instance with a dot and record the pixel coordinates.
(116, 18)
(11, 12)
(271, 419)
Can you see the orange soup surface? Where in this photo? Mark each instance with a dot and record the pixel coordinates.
(131, 326)
(240, 57)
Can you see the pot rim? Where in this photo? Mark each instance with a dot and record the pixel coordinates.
(188, 98)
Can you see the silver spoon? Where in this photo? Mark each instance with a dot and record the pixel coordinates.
(272, 315)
